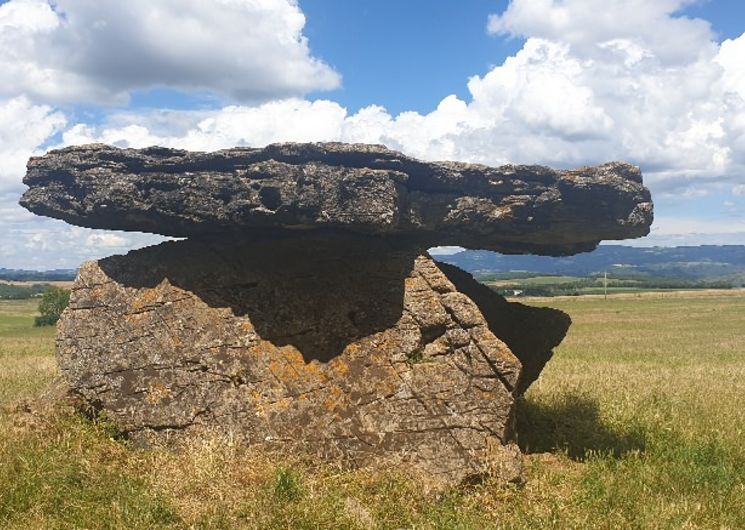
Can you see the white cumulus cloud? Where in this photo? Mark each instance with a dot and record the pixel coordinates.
(100, 50)
(23, 127)
(639, 27)
(28, 241)
(682, 123)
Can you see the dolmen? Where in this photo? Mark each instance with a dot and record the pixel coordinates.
(300, 310)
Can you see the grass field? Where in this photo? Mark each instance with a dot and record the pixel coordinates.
(575, 285)
(638, 422)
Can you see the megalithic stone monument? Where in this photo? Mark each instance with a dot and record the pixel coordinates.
(302, 309)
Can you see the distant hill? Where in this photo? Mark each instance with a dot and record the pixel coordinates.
(708, 262)
(19, 275)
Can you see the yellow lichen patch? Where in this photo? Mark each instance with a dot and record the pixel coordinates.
(291, 375)
(339, 367)
(277, 369)
(293, 356)
(334, 400)
(291, 367)
(313, 371)
(156, 393)
(283, 404)
(412, 282)
(147, 298)
(160, 294)
(258, 400)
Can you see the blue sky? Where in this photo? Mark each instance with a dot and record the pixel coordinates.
(404, 55)
(562, 82)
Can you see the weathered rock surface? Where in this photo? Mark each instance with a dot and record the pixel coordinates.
(362, 188)
(530, 332)
(354, 347)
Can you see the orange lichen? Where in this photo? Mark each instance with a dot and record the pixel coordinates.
(156, 392)
(293, 356)
(146, 298)
(339, 366)
(334, 401)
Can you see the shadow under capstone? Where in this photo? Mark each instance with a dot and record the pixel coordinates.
(318, 292)
(324, 290)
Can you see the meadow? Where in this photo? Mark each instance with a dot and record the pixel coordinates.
(558, 285)
(637, 422)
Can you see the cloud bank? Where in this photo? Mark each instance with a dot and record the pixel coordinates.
(98, 51)
(591, 83)
(595, 80)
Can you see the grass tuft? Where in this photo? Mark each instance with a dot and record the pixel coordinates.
(287, 485)
(63, 476)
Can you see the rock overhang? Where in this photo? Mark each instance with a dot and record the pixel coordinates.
(366, 189)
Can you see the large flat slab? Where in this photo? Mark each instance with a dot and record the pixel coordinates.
(355, 187)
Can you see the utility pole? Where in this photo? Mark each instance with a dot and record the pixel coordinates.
(605, 285)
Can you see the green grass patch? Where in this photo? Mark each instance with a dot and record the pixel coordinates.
(673, 484)
(26, 352)
(69, 477)
(17, 320)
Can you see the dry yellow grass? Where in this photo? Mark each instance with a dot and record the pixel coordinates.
(636, 423)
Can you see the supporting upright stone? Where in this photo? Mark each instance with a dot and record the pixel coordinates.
(354, 347)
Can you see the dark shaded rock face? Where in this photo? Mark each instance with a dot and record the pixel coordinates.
(353, 347)
(361, 188)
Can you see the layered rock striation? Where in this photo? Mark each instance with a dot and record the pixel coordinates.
(365, 189)
(303, 310)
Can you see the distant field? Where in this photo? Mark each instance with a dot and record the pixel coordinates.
(532, 280)
(654, 297)
(556, 285)
(638, 422)
(13, 290)
(26, 353)
(65, 284)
